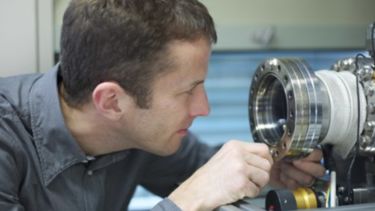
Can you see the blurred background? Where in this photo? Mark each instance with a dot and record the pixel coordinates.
(249, 31)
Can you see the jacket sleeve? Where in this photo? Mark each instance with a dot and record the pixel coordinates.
(166, 205)
(163, 174)
(9, 179)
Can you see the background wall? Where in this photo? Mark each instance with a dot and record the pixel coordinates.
(286, 24)
(15, 47)
(292, 24)
(30, 30)
(291, 11)
(26, 36)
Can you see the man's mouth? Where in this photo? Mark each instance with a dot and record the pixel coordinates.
(182, 132)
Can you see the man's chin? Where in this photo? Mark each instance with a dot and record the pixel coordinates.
(170, 149)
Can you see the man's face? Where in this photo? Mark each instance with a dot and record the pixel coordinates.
(178, 97)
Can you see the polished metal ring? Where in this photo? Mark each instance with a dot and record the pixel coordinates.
(285, 108)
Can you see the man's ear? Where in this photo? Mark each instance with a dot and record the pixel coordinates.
(106, 98)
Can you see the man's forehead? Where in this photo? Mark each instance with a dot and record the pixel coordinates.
(187, 63)
(179, 80)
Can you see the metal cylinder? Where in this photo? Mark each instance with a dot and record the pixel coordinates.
(286, 105)
(305, 198)
(293, 109)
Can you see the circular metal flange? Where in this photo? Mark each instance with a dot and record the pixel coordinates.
(285, 108)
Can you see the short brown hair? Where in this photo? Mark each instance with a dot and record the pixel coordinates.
(123, 41)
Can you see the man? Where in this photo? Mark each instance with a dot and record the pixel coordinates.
(114, 112)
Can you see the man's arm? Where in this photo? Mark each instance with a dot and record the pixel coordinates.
(9, 180)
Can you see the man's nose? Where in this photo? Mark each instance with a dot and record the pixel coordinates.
(199, 104)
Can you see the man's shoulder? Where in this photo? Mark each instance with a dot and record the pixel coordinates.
(14, 108)
(19, 85)
(15, 93)
(14, 125)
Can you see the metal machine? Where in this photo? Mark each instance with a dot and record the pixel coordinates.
(294, 110)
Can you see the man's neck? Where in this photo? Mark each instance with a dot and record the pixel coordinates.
(92, 132)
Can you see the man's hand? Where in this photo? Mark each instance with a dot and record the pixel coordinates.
(237, 170)
(297, 173)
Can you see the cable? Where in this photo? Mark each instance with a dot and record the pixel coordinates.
(357, 69)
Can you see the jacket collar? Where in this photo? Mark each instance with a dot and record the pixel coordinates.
(55, 145)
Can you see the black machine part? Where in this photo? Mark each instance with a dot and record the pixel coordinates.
(280, 200)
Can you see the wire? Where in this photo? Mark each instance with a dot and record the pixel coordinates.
(357, 69)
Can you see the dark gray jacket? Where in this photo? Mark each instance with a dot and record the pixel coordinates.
(42, 167)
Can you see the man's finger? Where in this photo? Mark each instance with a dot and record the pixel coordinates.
(257, 161)
(314, 169)
(258, 176)
(261, 150)
(315, 156)
(300, 176)
(255, 148)
(289, 183)
(252, 190)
